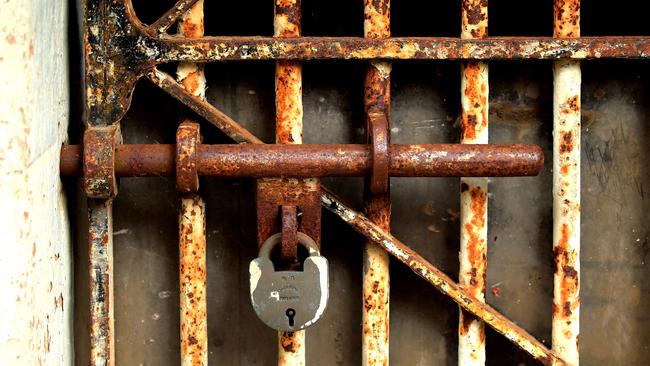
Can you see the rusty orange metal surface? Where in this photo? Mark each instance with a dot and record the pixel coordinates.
(99, 148)
(291, 348)
(376, 274)
(191, 217)
(188, 140)
(473, 191)
(441, 160)
(192, 277)
(566, 189)
(288, 130)
(216, 49)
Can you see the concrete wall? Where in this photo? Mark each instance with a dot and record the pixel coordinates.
(35, 265)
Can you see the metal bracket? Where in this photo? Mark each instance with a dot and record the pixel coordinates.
(188, 140)
(379, 138)
(100, 143)
(278, 195)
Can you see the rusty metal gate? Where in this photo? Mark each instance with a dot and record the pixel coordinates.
(120, 50)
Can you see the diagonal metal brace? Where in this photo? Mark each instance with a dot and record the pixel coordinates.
(417, 263)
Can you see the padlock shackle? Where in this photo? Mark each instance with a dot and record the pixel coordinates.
(303, 239)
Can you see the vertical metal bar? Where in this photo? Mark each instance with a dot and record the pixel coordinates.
(100, 242)
(192, 240)
(473, 191)
(288, 130)
(566, 189)
(194, 325)
(376, 276)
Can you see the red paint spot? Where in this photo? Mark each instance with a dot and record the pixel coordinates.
(496, 291)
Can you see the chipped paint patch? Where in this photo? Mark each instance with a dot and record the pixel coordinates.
(36, 266)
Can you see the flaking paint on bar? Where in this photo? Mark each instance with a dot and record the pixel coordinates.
(473, 191)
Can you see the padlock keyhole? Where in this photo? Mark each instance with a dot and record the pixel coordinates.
(290, 314)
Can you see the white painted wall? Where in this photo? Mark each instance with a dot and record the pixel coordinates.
(35, 260)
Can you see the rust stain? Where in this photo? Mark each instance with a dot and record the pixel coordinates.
(571, 105)
(569, 285)
(293, 161)
(376, 276)
(99, 147)
(192, 237)
(188, 138)
(567, 18)
(476, 251)
(192, 277)
(376, 18)
(566, 142)
(564, 170)
(216, 49)
(288, 342)
(288, 102)
(474, 114)
(474, 18)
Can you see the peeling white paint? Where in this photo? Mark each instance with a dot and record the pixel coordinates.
(35, 268)
(255, 273)
(323, 281)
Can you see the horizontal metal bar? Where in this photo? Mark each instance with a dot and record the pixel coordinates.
(321, 160)
(211, 49)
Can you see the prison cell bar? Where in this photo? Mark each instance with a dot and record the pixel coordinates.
(566, 189)
(288, 130)
(419, 265)
(100, 186)
(376, 276)
(434, 276)
(100, 245)
(191, 217)
(473, 191)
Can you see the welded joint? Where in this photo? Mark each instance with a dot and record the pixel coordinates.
(100, 180)
(379, 135)
(188, 140)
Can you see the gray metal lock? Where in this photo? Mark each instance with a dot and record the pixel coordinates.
(289, 300)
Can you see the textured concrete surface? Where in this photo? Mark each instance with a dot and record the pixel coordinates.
(36, 262)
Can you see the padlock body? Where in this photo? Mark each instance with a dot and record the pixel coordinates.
(289, 300)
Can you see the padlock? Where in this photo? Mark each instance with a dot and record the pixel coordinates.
(289, 300)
